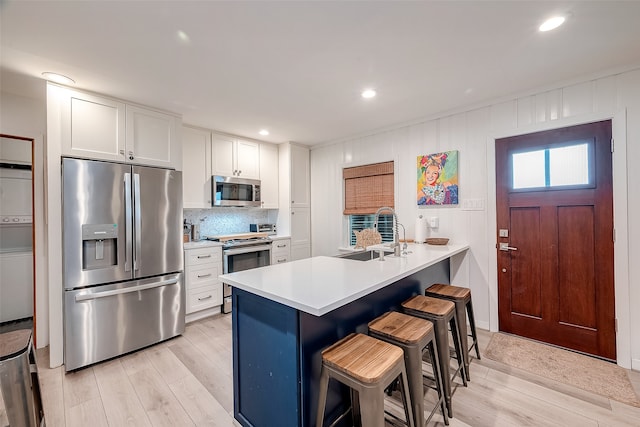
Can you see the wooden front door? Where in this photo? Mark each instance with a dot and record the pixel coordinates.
(555, 237)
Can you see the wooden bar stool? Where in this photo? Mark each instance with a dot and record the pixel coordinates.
(414, 336)
(440, 312)
(461, 297)
(366, 365)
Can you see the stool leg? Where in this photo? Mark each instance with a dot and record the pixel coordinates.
(372, 406)
(458, 347)
(413, 363)
(442, 342)
(472, 323)
(437, 375)
(322, 399)
(462, 325)
(406, 395)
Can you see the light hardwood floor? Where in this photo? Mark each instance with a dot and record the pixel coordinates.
(187, 381)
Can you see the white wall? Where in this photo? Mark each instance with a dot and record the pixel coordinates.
(23, 116)
(472, 133)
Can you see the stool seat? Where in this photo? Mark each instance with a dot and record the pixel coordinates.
(362, 357)
(14, 343)
(401, 327)
(431, 305)
(367, 366)
(450, 291)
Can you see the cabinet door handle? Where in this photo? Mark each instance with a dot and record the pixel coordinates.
(204, 275)
(204, 298)
(204, 256)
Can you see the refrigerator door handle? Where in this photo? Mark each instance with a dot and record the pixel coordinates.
(137, 218)
(86, 297)
(128, 226)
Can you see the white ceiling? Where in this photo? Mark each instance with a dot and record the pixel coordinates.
(297, 68)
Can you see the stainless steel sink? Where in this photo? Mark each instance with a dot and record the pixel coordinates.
(361, 255)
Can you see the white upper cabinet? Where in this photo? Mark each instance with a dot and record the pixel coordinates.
(152, 138)
(269, 175)
(222, 155)
(196, 168)
(235, 157)
(247, 157)
(300, 188)
(102, 128)
(93, 127)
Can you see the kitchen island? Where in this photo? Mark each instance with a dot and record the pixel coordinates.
(284, 316)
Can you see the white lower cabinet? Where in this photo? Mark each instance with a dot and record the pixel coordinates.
(280, 251)
(202, 268)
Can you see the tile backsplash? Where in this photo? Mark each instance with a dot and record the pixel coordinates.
(227, 220)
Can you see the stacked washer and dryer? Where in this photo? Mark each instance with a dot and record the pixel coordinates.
(16, 230)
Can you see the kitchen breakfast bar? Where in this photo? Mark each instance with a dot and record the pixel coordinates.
(284, 315)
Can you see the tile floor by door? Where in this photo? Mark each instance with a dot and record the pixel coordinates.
(188, 381)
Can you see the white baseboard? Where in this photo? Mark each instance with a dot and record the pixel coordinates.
(482, 325)
(635, 365)
(192, 317)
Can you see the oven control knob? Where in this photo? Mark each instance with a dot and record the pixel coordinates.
(16, 219)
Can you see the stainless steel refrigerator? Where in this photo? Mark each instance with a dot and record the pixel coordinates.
(122, 259)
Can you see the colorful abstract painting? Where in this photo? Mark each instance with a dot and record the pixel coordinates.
(438, 179)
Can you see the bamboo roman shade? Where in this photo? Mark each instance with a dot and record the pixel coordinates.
(367, 188)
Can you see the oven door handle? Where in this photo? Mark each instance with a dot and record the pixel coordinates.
(246, 250)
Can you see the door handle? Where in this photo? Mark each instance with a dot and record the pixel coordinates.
(103, 294)
(505, 247)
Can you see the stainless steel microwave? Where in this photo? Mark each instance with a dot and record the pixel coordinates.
(234, 191)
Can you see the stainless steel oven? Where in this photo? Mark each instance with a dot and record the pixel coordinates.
(239, 255)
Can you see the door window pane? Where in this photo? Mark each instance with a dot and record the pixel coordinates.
(569, 165)
(529, 169)
(552, 167)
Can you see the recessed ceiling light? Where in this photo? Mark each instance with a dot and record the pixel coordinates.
(58, 78)
(264, 132)
(368, 93)
(552, 23)
(183, 37)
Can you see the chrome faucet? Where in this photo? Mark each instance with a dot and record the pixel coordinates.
(396, 238)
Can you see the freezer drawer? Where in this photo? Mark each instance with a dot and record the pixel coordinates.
(107, 321)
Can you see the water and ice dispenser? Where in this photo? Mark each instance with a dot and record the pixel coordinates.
(99, 246)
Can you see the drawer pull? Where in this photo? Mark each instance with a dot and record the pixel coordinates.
(203, 275)
(281, 246)
(204, 256)
(204, 298)
(282, 260)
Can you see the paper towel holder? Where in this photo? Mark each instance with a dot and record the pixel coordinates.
(421, 230)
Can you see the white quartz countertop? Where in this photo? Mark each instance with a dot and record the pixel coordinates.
(320, 284)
